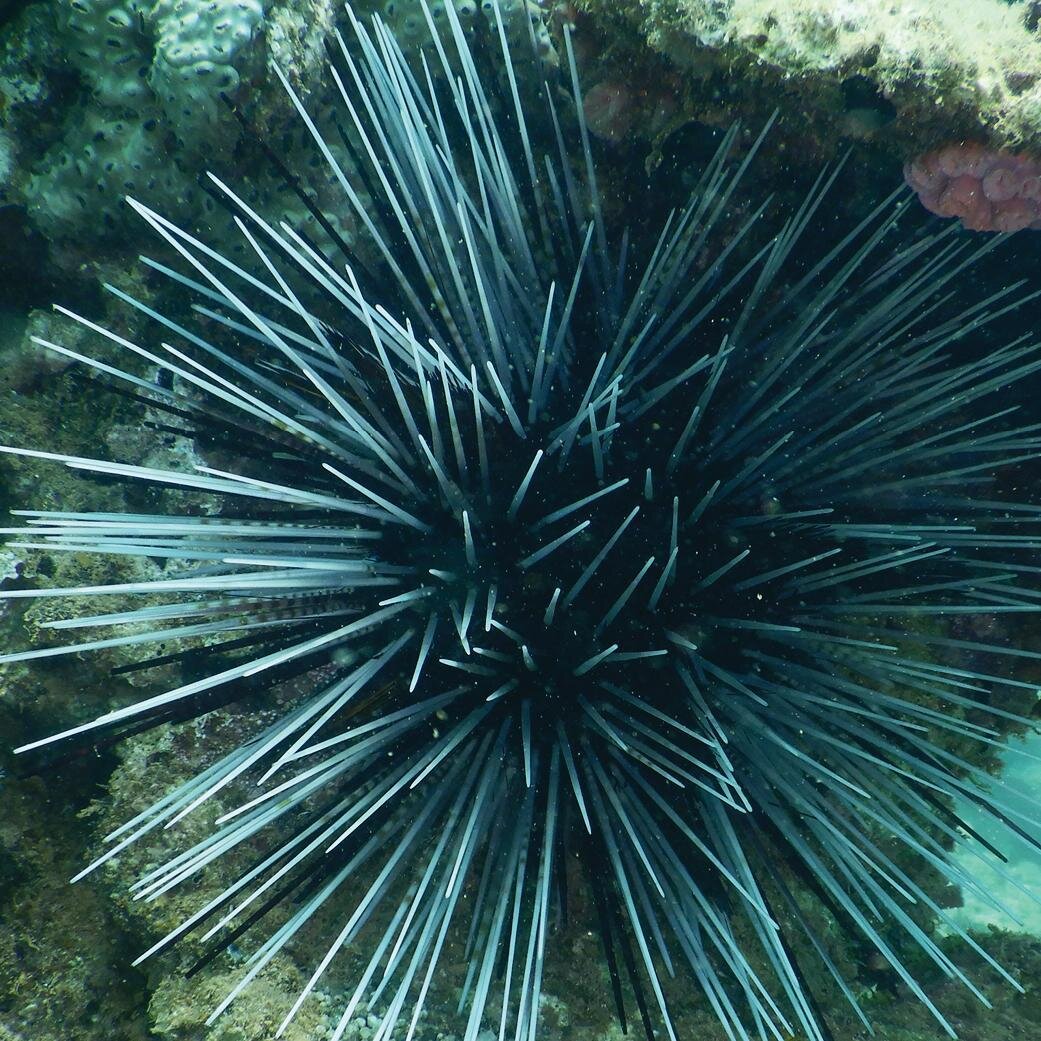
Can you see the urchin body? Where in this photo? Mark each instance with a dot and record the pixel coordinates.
(598, 571)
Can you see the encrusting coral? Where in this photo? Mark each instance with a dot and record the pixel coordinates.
(153, 69)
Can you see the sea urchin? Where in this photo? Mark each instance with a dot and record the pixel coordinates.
(592, 566)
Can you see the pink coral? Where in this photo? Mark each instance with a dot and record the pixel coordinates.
(989, 190)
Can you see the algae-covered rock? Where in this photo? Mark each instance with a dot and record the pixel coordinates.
(933, 69)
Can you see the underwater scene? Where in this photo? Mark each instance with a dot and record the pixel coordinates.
(521, 520)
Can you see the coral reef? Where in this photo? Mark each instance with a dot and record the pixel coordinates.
(44, 113)
(462, 712)
(140, 111)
